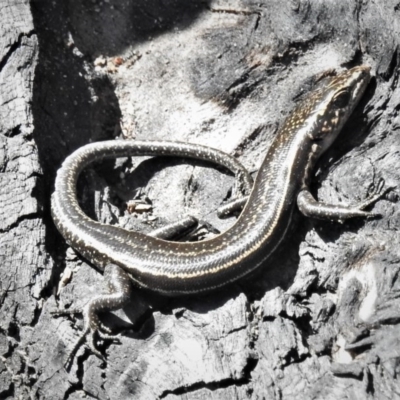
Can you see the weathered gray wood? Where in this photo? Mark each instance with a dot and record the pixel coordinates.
(25, 266)
(321, 320)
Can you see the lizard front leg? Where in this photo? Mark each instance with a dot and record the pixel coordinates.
(339, 212)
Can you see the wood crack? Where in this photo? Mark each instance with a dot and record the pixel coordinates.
(13, 48)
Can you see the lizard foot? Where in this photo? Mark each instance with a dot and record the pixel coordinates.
(93, 331)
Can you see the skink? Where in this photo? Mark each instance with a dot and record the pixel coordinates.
(175, 268)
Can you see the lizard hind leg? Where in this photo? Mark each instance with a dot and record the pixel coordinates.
(120, 290)
(119, 287)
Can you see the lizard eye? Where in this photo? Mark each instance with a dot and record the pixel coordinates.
(341, 100)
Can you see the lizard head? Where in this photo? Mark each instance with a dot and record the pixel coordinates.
(331, 103)
(321, 114)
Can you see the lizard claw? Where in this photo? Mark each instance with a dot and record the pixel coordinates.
(90, 333)
(68, 311)
(371, 214)
(376, 189)
(375, 193)
(105, 336)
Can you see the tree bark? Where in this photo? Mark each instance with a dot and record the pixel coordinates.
(320, 320)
